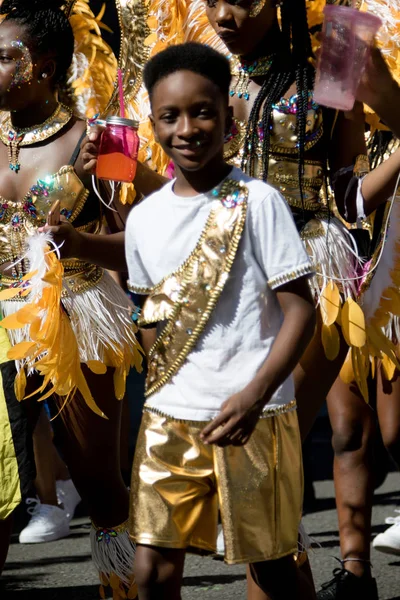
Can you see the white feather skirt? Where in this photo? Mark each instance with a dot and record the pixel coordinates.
(335, 257)
(382, 280)
(100, 318)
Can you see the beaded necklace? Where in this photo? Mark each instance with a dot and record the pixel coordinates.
(247, 69)
(14, 138)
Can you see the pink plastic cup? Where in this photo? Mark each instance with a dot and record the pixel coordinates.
(347, 38)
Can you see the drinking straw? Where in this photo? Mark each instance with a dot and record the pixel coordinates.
(121, 94)
(122, 111)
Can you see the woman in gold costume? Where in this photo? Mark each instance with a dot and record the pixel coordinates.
(76, 335)
(281, 135)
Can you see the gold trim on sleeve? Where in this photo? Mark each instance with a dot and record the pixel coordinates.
(286, 277)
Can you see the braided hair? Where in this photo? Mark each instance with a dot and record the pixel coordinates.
(47, 28)
(289, 65)
(381, 144)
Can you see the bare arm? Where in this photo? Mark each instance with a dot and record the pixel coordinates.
(348, 142)
(239, 414)
(378, 186)
(293, 338)
(381, 92)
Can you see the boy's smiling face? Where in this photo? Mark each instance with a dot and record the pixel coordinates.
(190, 117)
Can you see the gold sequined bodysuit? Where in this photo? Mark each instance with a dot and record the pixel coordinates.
(326, 239)
(283, 163)
(18, 220)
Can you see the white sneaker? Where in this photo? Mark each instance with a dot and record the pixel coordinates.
(221, 544)
(68, 496)
(389, 541)
(48, 523)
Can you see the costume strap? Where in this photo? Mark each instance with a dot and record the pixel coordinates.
(187, 298)
(77, 150)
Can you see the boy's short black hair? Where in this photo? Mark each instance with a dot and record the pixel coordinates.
(193, 57)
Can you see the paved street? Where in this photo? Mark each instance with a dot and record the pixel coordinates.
(63, 571)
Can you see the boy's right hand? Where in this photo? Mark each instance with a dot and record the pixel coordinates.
(90, 149)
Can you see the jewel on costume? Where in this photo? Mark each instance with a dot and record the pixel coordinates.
(66, 213)
(30, 209)
(135, 314)
(231, 193)
(113, 554)
(3, 211)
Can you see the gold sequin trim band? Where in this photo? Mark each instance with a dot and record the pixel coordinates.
(118, 528)
(286, 277)
(267, 413)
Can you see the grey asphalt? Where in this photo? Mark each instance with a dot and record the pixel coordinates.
(62, 570)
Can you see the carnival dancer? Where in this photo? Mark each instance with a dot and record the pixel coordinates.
(233, 313)
(282, 136)
(83, 338)
(353, 421)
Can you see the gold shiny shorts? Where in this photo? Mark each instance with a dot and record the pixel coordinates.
(178, 485)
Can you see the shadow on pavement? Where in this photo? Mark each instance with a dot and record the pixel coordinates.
(80, 592)
(211, 580)
(42, 562)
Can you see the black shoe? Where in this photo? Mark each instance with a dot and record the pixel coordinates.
(346, 586)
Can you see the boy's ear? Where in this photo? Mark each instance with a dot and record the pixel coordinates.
(153, 126)
(229, 120)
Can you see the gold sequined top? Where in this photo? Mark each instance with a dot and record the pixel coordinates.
(283, 163)
(20, 219)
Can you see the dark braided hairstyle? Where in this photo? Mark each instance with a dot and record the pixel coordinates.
(380, 145)
(47, 28)
(290, 64)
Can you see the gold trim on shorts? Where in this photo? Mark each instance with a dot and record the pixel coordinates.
(179, 484)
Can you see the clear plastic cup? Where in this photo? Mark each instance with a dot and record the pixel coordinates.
(119, 147)
(347, 38)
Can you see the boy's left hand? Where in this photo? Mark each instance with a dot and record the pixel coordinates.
(237, 420)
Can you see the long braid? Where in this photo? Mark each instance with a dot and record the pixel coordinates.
(290, 64)
(379, 145)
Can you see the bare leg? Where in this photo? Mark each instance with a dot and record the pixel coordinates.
(353, 427)
(279, 580)
(60, 468)
(5, 536)
(159, 572)
(45, 482)
(313, 378)
(388, 405)
(90, 445)
(305, 583)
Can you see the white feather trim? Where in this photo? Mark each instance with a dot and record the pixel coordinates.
(382, 277)
(335, 258)
(100, 318)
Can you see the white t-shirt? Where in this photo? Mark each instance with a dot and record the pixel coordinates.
(161, 233)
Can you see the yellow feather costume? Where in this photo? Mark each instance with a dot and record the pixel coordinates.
(44, 337)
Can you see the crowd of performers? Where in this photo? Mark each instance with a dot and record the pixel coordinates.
(262, 253)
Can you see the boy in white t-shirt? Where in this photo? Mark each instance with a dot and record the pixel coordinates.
(228, 308)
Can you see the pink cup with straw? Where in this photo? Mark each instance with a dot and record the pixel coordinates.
(347, 38)
(119, 146)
